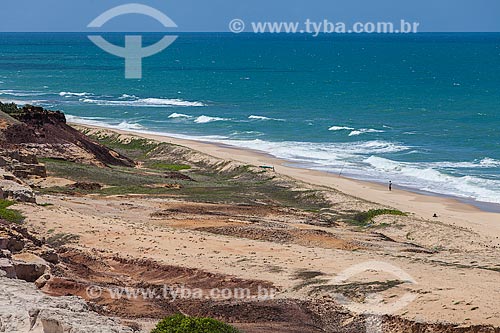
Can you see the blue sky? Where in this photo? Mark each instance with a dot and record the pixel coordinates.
(214, 15)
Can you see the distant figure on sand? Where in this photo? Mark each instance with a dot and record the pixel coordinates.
(390, 185)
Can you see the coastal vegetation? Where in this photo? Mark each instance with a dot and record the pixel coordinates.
(9, 215)
(9, 108)
(182, 324)
(364, 219)
(169, 170)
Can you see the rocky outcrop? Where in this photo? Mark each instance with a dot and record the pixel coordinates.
(7, 269)
(46, 134)
(21, 254)
(16, 167)
(12, 190)
(29, 267)
(25, 309)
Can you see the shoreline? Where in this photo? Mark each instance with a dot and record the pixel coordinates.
(450, 210)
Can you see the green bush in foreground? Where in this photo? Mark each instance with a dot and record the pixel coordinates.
(9, 215)
(182, 324)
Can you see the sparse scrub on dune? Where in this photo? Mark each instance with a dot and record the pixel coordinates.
(182, 324)
(62, 239)
(9, 215)
(365, 218)
(159, 165)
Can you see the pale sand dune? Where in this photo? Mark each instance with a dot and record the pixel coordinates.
(446, 290)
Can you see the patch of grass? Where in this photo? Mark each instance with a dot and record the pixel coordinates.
(158, 165)
(308, 278)
(306, 275)
(310, 282)
(358, 291)
(123, 190)
(182, 324)
(112, 176)
(363, 219)
(275, 269)
(10, 215)
(61, 239)
(135, 148)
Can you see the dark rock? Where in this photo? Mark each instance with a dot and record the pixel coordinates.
(16, 244)
(50, 256)
(42, 281)
(49, 128)
(4, 243)
(7, 267)
(29, 271)
(12, 190)
(5, 254)
(26, 170)
(178, 176)
(86, 186)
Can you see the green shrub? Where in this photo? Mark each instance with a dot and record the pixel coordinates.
(182, 324)
(364, 218)
(167, 166)
(9, 215)
(9, 108)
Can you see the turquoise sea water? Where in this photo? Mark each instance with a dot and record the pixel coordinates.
(420, 110)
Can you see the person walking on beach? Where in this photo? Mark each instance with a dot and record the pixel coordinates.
(390, 185)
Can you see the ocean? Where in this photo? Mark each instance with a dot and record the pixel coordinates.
(421, 110)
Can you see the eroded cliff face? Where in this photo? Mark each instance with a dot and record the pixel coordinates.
(27, 264)
(46, 134)
(25, 309)
(17, 168)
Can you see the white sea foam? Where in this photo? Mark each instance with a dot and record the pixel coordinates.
(134, 127)
(340, 128)
(125, 96)
(489, 163)
(124, 125)
(86, 121)
(74, 94)
(365, 130)
(142, 102)
(21, 93)
(179, 115)
(103, 122)
(23, 102)
(207, 119)
(426, 178)
(483, 163)
(263, 118)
